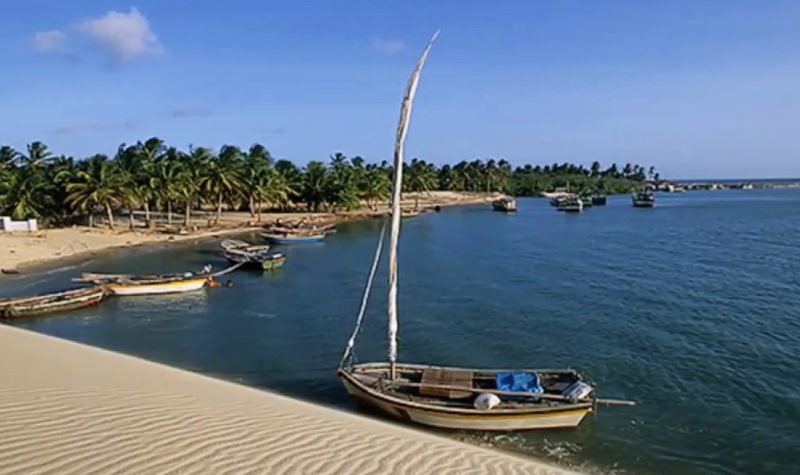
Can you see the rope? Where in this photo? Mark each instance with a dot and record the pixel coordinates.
(348, 351)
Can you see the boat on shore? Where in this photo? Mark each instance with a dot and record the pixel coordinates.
(505, 204)
(644, 199)
(15, 307)
(570, 204)
(449, 397)
(253, 256)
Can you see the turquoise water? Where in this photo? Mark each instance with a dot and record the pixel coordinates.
(690, 308)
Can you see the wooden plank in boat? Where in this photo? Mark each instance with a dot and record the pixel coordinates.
(443, 377)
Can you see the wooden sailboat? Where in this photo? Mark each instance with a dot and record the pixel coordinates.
(15, 307)
(446, 397)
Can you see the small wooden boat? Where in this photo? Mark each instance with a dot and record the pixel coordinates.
(289, 238)
(322, 228)
(50, 303)
(505, 204)
(570, 204)
(454, 398)
(644, 199)
(252, 256)
(122, 284)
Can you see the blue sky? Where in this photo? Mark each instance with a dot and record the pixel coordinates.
(697, 88)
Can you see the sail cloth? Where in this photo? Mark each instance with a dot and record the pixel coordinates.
(394, 236)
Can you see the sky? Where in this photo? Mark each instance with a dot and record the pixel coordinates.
(699, 89)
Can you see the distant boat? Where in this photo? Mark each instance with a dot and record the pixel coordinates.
(570, 204)
(123, 284)
(289, 238)
(505, 204)
(15, 307)
(587, 201)
(644, 199)
(599, 200)
(252, 255)
(446, 397)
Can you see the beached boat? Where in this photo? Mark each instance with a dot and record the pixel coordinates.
(505, 204)
(14, 307)
(644, 199)
(570, 204)
(289, 238)
(250, 255)
(446, 397)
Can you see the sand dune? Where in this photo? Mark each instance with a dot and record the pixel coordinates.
(70, 408)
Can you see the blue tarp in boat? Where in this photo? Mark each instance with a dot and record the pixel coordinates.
(519, 382)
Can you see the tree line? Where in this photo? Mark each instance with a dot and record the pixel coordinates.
(149, 176)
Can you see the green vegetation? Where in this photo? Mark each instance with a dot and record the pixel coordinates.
(151, 176)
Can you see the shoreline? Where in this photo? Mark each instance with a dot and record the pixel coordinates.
(114, 407)
(26, 253)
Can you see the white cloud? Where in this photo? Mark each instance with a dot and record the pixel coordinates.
(189, 110)
(387, 46)
(49, 41)
(124, 36)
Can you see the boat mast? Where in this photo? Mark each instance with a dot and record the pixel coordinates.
(394, 236)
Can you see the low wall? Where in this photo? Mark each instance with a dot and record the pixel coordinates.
(6, 225)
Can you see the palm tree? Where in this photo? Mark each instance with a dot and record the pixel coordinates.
(166, 178)
(37, 156)
(419, 178)
(99, 183)
(223, 177)
(375, 187)
(8, 157)
(315, 184)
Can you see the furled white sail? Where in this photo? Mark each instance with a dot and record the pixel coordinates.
(394, 236)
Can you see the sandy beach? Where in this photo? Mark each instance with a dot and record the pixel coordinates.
(71, 408)
(21, 250)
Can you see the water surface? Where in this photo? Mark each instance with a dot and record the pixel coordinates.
(690, 308)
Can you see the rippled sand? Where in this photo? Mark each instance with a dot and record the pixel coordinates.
(70, 408)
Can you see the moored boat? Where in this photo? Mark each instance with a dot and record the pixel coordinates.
(447, 397)
(598, 199)
(289, 238)
(14, 307)
(570, 204)
(505, 204)
(644, 199)
(258, 256)
(123, 284)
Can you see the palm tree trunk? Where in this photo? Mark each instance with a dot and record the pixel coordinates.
(416, 201)
(251, 206)
(219, 208)
(110, 215)
(258, 211)
(146, 211)
(91, 219)
(169, 212)
(130, 218)
(188, 216)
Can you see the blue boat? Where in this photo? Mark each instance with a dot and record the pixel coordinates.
(289, 238)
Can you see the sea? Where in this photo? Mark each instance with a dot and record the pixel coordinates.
(691, 309)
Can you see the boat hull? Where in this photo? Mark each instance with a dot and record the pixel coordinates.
(643, 204)
(160, 288)
(78, 300)
(568, 416)
(290, 240)
(268, 264)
